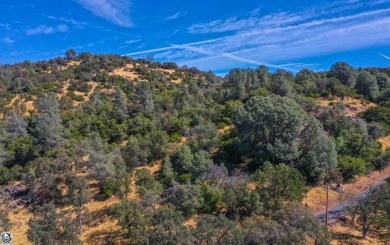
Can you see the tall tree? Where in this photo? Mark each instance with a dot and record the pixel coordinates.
(278, 130)
(237, 79)
(366, 85)
(16, 126)
(48, 131)
(383, 81)
(70, 54)
(134, 220)
(51, 227)
(345, 73)
(120, 105)
(372, 210)
(217, 230)
(278, 184)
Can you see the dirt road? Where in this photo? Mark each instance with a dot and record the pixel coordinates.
(335, 212)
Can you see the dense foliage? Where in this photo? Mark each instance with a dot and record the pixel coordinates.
(232, 149)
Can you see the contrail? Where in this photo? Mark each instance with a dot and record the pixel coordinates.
(384, 56)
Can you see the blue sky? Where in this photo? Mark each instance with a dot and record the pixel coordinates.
(209, 34)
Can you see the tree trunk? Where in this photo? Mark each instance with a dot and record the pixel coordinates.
(81, 219)
(364, 226)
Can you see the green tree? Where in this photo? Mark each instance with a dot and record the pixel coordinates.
(351, 167)
(372, 211)
(278, 184)
(182, 159)
(277, 129)
(101, 159)
(302, 225)
(167, 226)
(78, 194)
(345, 73)
(366, 85)
(134, 220)
(237, 79)
(70, 54)
(120, 105)
(280, 85)
(217, 230)
(16, 126)
(50, 227)
(48, 131)
(383, 81)
(240, 202)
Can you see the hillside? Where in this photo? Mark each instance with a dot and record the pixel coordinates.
(104, 149)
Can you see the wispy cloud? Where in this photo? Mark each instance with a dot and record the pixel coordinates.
(256, 11)
(71, 21)
(115, 11)
(133, 41)
(279, 38)
(385, 56)
(175, 16)
(8, 40)
(5, 26)
(236, 24)
(43, 29)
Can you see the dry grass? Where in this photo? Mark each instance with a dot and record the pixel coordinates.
(347, 234)
(316, 196)
(385, 141)
(354, 106)
(19, 219)
(18, 100)
(71, 63)
(225, 130)
(102, 226)
(86, 96)
(126, 72)
(129, 73)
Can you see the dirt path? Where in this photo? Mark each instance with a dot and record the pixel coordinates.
(335, 212)
(316, 197)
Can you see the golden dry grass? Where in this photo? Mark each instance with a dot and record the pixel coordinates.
(385, 141)
(316, 196)
(354, 106)
(86, 96)
(71, 63)
(225, 130)
(19, 219)
(126, 72)
(18, 100)
(346, 234)
(102, 225)
(129, 73)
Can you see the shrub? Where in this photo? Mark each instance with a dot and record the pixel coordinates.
(185, 177)
(221, 125)
(175, 137)
(351, 167)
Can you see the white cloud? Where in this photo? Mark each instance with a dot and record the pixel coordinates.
(236, 24)
(256, 11)
(175, 16)
(133, 41)
(115, 11)
(43, 29)
(5, 26)
(280, 38)
(8, 40)
(74, 22)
